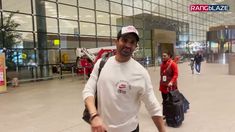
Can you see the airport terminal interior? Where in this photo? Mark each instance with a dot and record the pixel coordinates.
(49, 47)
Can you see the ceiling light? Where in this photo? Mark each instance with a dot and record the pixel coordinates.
(49, 7)
(218, 1)
(52, 10)
(228, 12)
(88, 16)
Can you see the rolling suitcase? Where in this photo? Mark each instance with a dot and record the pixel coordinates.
(173, 109)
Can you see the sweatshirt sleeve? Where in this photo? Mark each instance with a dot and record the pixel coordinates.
(148, 97)
(175, 72)
(90, 87)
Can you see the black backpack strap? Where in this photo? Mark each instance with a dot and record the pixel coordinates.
(102, 62)
(86, 115)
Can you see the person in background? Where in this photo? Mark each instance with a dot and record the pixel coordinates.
(169, 75)
(198, 59)
(122, 85)
(191, 64)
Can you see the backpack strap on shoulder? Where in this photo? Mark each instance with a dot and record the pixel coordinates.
(102, 62)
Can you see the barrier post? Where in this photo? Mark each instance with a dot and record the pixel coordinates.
(3, 86)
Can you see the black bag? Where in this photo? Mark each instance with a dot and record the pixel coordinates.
(174, 95)
(185, 103)
(86, 115)
(173, 109)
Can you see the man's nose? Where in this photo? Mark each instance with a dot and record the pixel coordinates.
(129, 44)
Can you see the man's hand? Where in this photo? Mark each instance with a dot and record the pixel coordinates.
(158, 121)
(170, 84)
(97, 125)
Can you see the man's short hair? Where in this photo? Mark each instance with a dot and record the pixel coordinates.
(128, 30)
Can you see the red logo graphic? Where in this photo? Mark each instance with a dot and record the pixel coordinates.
(122, 86)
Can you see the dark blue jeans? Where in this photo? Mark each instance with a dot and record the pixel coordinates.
(198, 67)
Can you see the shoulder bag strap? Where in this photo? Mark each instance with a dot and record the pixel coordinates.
(168, 89)
(102, 62)
(167, 67)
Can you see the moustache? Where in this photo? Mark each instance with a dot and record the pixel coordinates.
(127, 48)
(126, 51)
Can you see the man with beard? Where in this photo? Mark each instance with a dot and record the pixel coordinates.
(169, 75)
(122, 85)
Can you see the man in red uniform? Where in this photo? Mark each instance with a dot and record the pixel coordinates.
(169, 75)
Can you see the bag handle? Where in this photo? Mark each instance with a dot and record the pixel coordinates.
(169, 88)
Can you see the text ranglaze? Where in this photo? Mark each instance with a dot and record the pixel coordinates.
(209, 8)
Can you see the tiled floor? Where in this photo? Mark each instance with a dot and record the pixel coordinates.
(56, 105)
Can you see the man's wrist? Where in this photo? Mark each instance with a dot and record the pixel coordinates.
(93, 116)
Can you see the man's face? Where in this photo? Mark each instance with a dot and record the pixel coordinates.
(126, 45)
(165, 57)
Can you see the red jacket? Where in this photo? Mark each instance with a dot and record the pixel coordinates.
(171, 75)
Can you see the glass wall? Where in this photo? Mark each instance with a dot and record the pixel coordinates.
(37, 35)
(220, 43)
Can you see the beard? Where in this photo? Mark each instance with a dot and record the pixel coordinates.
(126, 52)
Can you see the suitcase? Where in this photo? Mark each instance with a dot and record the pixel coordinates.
(173, 109)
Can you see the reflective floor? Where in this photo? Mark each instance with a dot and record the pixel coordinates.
(56, 105)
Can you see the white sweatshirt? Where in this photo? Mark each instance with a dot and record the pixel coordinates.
(121, 87)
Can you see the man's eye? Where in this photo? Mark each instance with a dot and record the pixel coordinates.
(132, 42)
(125, 40)
(129, 41)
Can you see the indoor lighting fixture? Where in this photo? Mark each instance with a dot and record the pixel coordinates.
(218, 1)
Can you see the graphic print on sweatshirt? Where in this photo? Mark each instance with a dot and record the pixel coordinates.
(123, 87)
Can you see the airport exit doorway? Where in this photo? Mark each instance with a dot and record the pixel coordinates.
(163, 40)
